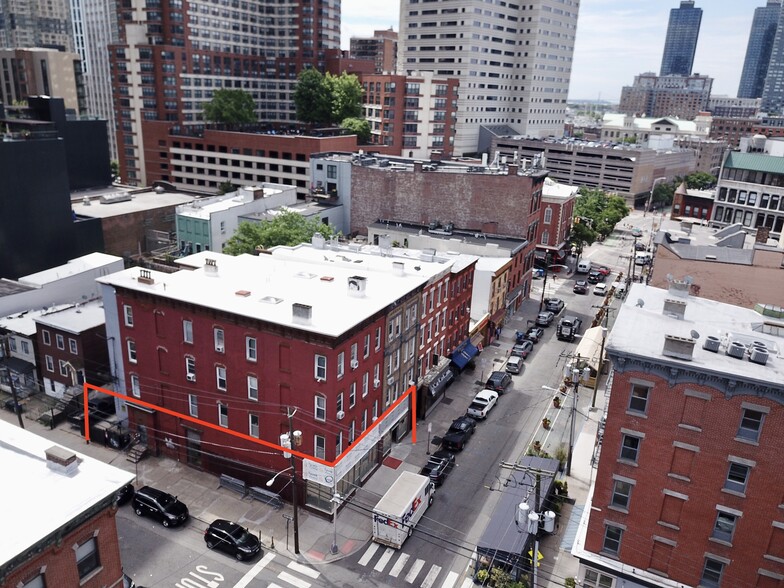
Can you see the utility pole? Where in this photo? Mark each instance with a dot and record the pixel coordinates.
(607, 311)
(17, 408)
(631, 260)
(295, 441)
(576, 380)
(535, 552)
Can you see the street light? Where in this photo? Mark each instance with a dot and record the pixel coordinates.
(336, 500)
(576, 376)
(650, 196)
(288, 441)
(271, 481)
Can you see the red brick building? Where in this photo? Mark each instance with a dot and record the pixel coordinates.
(689, 485)
(72, 539)
(556, 216)
(732, 129)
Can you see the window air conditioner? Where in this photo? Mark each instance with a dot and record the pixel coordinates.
(354, 364)
(376, 383)
(390, 381)
(340, 415)
(191, 377)
(219, 348)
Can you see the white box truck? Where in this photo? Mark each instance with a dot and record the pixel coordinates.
(401, 508)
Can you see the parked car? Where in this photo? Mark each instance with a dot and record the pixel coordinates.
(580, 287)
(640, 246)
(595, 277)
(533, 334)
(149, 501)
(438, 466)
(600, 289)
(523, 349)
(602, 269)
(232, 539)
(482, 404)
(499, 381)
(554, 305)
(514, 365)
(636, 232)
(544, 318)
(538, 273)
(458, 434)
(124, 494)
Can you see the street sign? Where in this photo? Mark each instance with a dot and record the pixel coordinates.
(539, 557)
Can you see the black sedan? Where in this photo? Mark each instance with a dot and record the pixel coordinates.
(439, 466)
(554, 305)
(595, 277)
(534, 334)
(459, 433)
(232, 539)
(580, 287)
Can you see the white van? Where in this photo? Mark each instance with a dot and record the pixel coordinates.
(584, 266)
(642, 259)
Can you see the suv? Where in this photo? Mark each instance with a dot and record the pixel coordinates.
(523, 349)
(160, 505)
(498, 381)
(232, 538)
(554, 305)
(595, 277)
(544, 318)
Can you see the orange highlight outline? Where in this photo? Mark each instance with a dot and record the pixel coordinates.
(410, 391)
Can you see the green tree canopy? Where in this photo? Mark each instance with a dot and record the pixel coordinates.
(346, 96)
(288, 228)
(311, 98)
(226, 187)
(603, 210)
(230, 107)
(664, 193)
(700, 181)
(359, 126)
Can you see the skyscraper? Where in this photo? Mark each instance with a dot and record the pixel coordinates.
(681, 42)
(755, 67)
(35, 23)
(514, 62)
(773, 92)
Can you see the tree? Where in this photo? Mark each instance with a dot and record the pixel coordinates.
(115, 167)
(288, 228)
(312, 99)
(345, 95)
(602, 210)
(359, 126)
(664, 193)
(700, 181)
(225, 188)
(230, 107)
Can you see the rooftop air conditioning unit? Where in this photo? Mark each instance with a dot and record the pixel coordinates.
(354, 364)
(759, 355)
(340, 415)
(736, 349)
(712, 344)
(191, 377)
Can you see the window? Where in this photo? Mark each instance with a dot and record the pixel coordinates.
(375, 410)
(612, 539)
(622, 492)
(366, 348)
(320, 407)
(352, 395)
(737, 477)
(353, 355)
(364, 419)
(63, 369)
(339, 443)
(341, 361)
(220, 343)
(38, 581)
(193, 405)
(376, 375)
(60, 341)
(711, 573)
(26, 347)
(72, 347)
(135, 388)
(630, 448)
(87, 557)
(187, 331)
(220, 377)
(190, 368)
(365, 380)
(724, 527)
(378, 338)
(223, 415)
(750, 425)
(320, 447)
(594, 579)
(49, 363)
(253, 387)
(548, 215)
(638, 401)
(253, 425)
(250, 348)
(351, 432)
(46, 337)
(128, 315)
(339, 402)
(321, 367)
(131, 351)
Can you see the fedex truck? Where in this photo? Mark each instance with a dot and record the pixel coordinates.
(401, 508)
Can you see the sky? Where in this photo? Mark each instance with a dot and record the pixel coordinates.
(616, 40)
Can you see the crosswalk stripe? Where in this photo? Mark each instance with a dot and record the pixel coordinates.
(384, 559)
(303, 569)
(414, 571)
(254, 571)
(293, 580)
(467, 583)
(399, 565)
(273, 585)
(451, 578)
(371, 550)
(431, 576)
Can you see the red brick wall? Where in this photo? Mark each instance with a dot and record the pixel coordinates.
(60, 560)
(662, 426)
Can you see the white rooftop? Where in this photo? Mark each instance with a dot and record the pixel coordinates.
(24, 322)
(204, 208)
(29, 486)
(140, 201)
(71, 268)
(553, 189)
(491, 264)
(75, 318)
(703, 316)
(614, 119)
(265, 287)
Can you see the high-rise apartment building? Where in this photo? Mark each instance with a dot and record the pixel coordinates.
(514, 62)
(681, 42)
(381, 49)
(171, 59)
(35, 23)
(773, 91)
(755, 67)
(41, 72)
(673, 95)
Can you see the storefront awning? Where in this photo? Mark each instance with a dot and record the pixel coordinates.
(440, 383)
(590, 346)
(464, 353)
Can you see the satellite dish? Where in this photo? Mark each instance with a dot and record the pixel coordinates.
(640, 302)
(695, 335)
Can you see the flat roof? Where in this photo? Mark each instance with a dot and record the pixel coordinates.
(75, 318)
(553, 189)
(304, 208)
(72, 267)
(24, 322)
(204, 207)
(463, 235)
(141, 200)
(643, 312)
(10, 287)
(265, 287)
(30, 486)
